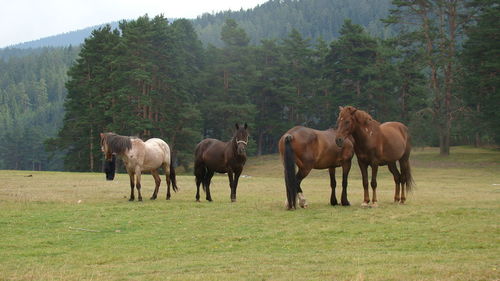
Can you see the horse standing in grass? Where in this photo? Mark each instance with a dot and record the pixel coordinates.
(377, 145)
(213, 155)
(139, 156)
(312, 149)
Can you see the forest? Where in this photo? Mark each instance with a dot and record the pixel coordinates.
(429, 65)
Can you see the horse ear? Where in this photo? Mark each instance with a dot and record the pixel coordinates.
(341, 108)
(246, 126)
(102, 135)
(237, 126)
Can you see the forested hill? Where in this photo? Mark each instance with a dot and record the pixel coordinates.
(273, 19)
(311, 18)
(71, 38)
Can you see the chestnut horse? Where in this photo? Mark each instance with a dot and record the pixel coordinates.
(377, 145)
(139, 156)
(213, 155)
(312, 149)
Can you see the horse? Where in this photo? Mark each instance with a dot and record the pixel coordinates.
(376, 145)
(212, 155)
(139, 156)
(313, 149)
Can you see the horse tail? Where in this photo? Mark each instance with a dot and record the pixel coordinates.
(406, 171)
(172, 173)
(290, 178)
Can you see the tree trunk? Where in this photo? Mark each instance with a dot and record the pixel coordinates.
(444, 139)
(91, 147)
(260, 143)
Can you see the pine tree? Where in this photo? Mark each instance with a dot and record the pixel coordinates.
(481, 84)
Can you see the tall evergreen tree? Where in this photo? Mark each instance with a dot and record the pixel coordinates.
(438, 25)
(87, 103)
(482, 82)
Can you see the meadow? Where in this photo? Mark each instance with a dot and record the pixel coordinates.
(78, 226)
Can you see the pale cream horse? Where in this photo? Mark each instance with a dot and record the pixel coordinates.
(140, 156)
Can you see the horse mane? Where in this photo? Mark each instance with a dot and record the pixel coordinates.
(363, 117)
(118, 144)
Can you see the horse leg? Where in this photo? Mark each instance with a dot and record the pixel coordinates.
(138, 183)
(405, 166)
(235, 184)
(397, 180)
(166, 168)
(156, 176)
(132, 182)
(301, 174)
(230, 175)
(333, 185)
(363, 167)
(208, 179)
(374, 185)
(199, 173)
(346, 167)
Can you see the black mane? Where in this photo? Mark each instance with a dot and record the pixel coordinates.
(117, 144)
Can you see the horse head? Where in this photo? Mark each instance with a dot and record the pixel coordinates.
(346, 123)
(109, 158)
(105, 147)
(110, 168)
(241, 139)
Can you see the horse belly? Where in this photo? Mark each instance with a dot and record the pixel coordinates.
(394, 141)
(152, 161)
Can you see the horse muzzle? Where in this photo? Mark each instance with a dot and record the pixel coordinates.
(109, 168)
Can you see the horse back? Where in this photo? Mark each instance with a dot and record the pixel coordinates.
(317, 149)
(210, 152)
(395, 141)
(156, 152)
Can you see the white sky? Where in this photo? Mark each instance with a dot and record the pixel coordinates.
(26, 20)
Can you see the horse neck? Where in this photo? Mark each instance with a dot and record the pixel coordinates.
(367, 135)
(233, 147)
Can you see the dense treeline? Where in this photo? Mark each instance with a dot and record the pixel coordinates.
(152, 78)
(32, 92)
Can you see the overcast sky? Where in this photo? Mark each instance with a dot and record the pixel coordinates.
(26, 20)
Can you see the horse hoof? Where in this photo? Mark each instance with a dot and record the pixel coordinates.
(374, 205)
(152, 198)
(140, 199)
(365, 205)
(345, 204)
(131, 199)
(233, 200)
(198, 200)
(303, 203)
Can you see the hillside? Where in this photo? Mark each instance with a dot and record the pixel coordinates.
(273, 19)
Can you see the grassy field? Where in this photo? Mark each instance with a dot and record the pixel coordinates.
(77, 226)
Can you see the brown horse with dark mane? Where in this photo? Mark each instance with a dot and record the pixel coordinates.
(213, 155)
(312, 149)
(377, 145)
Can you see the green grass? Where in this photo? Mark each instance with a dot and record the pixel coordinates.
(77, 226)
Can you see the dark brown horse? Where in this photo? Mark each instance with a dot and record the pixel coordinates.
(312, 149)
(377, 145)
(139, 156)
(213, 155)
